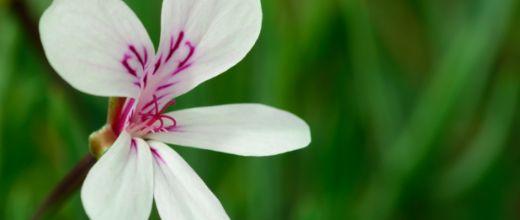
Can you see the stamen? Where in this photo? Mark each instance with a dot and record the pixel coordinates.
(174, 122)
(154, 121)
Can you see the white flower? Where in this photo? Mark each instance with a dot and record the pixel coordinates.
(100, 47)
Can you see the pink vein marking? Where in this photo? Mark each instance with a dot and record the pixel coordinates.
(165, 86)
(145, 51)
(180, 69)
(156, 154)
(190, 54)
(127, 66)
(133, 145)
(175, 47)
(138, 56)
(145, 79)
(157, 64)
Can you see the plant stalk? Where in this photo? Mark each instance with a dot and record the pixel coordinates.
(65, 188)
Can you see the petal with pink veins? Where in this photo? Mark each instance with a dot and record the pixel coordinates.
(120, 184)
(243, 129)
(199, 40)
(178, 191)
(98, 46)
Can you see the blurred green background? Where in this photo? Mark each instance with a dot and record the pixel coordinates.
(413, 106)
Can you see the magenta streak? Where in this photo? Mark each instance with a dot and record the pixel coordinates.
(180, 69)
(173, 128)
(156, 154)
(124, 115)
(133, 145)
(157, 64)
(165, 86)
(176, 46)
(184, 63)
(145, 51)
(145, 79)
(138, 56)
(190, 54)
(127, 66)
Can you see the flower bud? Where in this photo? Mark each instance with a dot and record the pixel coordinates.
(101, 140)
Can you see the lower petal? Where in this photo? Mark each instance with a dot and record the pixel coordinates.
(179, 192)
(120, 185)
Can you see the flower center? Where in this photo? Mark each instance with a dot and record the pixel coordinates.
(156, 79)
(152, 121)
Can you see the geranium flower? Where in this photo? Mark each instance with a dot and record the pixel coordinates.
(100, 47)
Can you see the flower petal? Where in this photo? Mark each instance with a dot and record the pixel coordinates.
(98, 46)
(120, 185)
(203, 38)
(243, 129)
(179, 192)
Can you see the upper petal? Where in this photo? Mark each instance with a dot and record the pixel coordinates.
(243, 129)
(203, 38)
(120, 184)
(98, 46)
(179, 192)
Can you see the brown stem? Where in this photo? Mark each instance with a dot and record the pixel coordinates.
(72, 181)
(75, 177)
(65, 188)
